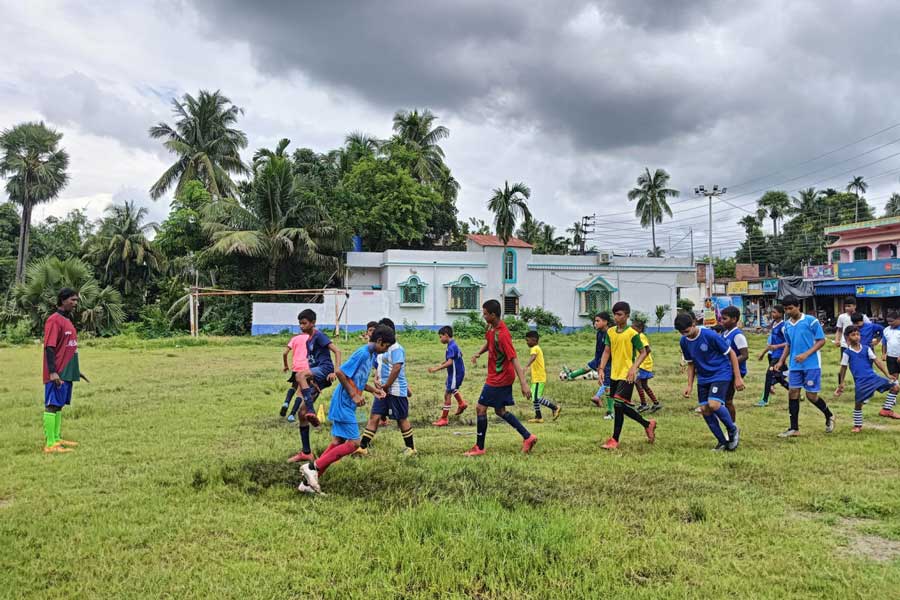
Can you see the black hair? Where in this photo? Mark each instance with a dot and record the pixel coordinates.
(308, 314)
(684, 321)
(371, 324)
(850, 329)
(602, 315)
(850, 300)
(622, 307)
(717, 328)
(384, 334)
(790, 301)
(856, 318)
(732, 311)
(492, 306)
(387, 322)
(891, 315)
(532, 334)
(64, 294)
(446, 330)
(778, 308)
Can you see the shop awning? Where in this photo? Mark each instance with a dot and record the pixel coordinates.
(850, 287)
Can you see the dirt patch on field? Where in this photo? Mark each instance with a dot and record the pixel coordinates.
(860, 544)
(5, 502)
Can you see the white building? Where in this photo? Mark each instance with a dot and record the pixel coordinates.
(429, 289)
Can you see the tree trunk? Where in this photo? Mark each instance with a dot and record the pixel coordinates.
(652, 233)
(273, 273)
(24, 233)
(774, 228)
(503, 279)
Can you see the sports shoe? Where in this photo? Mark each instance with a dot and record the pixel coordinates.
(528, 443)
(360, 452)
(284, 409)
(68, 443)
(762, 403)
(442, 422)
(597, 402)
(312, 419)
(733, 439)
(608, 417)
(536, 420)
(888, 413)
(656, 407)
(410, 452)
(460, 408)
(305, 488)
(56, 449)
(789, 433)
(291, 418)
(301, 457)
(643, 408)
(856, 429)
(829, 424)
(651, 431)
(720, 448)
(557, 411)
(311, 476)
(475, 451)
(611, 444)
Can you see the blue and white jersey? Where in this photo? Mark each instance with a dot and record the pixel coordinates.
(776, 337)
(710, 354)
(395, 355)
(357, 369)
(457, 369)
(890, 338)
(319, 353)
(737, 341)
(860, 364)
(868, 332)
(802, 335)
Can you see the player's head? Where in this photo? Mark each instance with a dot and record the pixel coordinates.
(532, 338)
(893, 318)
(852, 334)
(777, 312)
(383, 338)
(621, 311)
(446, 334)
(388, 323)
(639, 323)
(685, 324)
(370, 327)
(791, 306)
(307, 318)
(731, 316)
(849, 305)
(490, 310)
(856, 318)
(601, 320)
(67, 299)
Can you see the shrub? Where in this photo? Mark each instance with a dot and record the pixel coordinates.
(517, 327)
(544, 320)
(18, 332)
(472, 325)
(685, 305)
(153, 322)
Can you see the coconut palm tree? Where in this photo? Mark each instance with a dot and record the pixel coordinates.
(577, 240)
(750, 223)
(892, 207)
(549, 242)
(416, 131)
(775, 205)
(651, 193)
(509, 205)
(263, 155)
(275, 223)
(529, 231)
(206, 142)
(806, 202)
(34, 167)
(859, 187)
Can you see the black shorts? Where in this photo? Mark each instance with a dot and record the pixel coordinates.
(893, 365)
(395, 407)
(496, 397)
(620, 389)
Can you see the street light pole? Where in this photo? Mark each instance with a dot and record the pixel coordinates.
(715, 192)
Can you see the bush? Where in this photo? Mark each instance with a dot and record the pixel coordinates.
(469, 326)
(18, 332)
(685, 305)
(153, 322)
(544, 320)
(517, 327)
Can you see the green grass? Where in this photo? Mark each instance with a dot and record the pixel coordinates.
(180, 489)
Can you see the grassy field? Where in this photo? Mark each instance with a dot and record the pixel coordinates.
(180, 489)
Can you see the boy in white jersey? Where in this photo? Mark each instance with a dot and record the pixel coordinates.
(890, 354)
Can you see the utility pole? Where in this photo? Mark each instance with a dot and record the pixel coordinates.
(691, 231)
(715, 192)
(588, 227)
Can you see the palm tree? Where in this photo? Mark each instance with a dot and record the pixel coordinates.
(750, 224)
(651, 193)
(35, 169)
(656, 252)
(416, 131)
(206, 143)
(275, 223)
(530, 231)
(774, 205)
(892, 208)
(509, 204)
(857, 186)
(263, 155)
(478, 226)
(577, 231)
(549, 242)
(122, 249)
(806, 202)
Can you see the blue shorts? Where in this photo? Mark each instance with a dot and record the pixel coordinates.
(454, 383)
(642, 374)
(714, 390)
(866, 388)
(808, 379)
(395, 407)
(496, 397)
(57, 395)
(349, 430)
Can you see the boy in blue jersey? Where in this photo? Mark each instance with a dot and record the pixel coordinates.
(870, 333)
(353, 379)
(737, 341)
(774, 350)
(859, 358)
(601, 324)
(711, 360)
(391, 377)
(804, 337)
(456, 372)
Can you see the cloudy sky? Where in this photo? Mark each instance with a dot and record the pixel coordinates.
(573, 98)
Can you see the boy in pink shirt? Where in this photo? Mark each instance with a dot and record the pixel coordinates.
(299, 364)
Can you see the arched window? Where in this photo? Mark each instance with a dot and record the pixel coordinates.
(509, 266)
(861, 253)
(412, 292)
(464, 294)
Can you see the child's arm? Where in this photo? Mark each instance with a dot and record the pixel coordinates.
(603, 360)
(375, 391)
(743, 355)
(780, 363)
(520, 373)
(337, 359)
(395, 372)
(284, 356)
(690, 380)
(632, 372)
(351, 388)
(483, 349)
(881, 367)
(444, 365)
(530, 360)
(736, 370)
(841, 374)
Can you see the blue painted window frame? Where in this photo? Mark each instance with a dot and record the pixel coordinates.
(515, 265)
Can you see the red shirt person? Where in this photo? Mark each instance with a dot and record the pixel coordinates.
(503, 368)
(61, 369)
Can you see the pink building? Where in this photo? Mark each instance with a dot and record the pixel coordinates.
(868, 240)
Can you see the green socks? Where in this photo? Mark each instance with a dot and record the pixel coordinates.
(577, 373)
(51, 427)
(610, 404)
(58, 425)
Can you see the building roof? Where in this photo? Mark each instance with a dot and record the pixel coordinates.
(864, 226)
(493, 240)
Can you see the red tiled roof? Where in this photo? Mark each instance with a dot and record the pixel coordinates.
(493, 240)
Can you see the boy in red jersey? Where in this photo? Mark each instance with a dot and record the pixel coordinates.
(60, 369)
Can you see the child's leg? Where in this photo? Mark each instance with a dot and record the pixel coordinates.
(713, 423)
(536, 401)
(287, 400)
(298, 399)
(729, 403)
(578, 372)
(857, 415)
(371, 429)
(459, 399)
(649, 392)
(50, 413)
(813, 397)
(890, 400)
(767, 386)
(481, 426)
(513, 422)
(304, 434)
(639, 386)
(445, 409)
(335, 453)
(407, 433)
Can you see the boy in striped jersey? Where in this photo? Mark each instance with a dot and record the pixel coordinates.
(859, 358)
(456, 372)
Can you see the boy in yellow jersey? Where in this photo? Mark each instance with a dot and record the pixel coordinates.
(645, 372)
(624, 347)
(538, 379)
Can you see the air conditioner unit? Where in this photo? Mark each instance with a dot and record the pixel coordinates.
(603, 258)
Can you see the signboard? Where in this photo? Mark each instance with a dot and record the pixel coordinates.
(820, 272)
(878, 290)
(868, 268)
(736, 288)
(712, 310)
(770, 286)
(755, 289)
